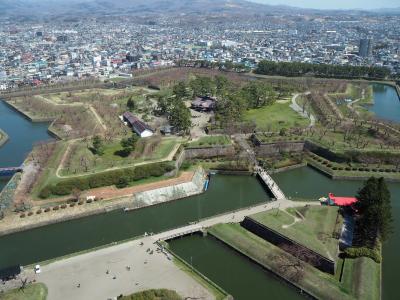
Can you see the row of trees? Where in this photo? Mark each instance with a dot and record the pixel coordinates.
(320, 70)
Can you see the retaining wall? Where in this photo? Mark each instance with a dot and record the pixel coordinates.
(174, 193)
(170, 193)
(276, 148)
(209, 152)
(315, 259)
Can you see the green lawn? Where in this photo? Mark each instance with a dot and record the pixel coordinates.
(275, 117)
(209, 141)
(37, 291)
(82, 160)
(320, 284)
(362, 276)
(314, 232)
(161, 294)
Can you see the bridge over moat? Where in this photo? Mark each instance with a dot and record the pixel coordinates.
(9, 171)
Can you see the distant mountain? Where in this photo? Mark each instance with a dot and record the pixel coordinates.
(55, 8)
(95, 7)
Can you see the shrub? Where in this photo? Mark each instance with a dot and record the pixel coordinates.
(39, 212)
(30, 213)
(108, 178)
(45, 193)
(185, 165)
(80, 202)
(55, 208)
(72, 205)
(348, 169)
(47, 209)
(22, 215)
(64, 206)
(89, 201)
(354, 252)
(122, 182)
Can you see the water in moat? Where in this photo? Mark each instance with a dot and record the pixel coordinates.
(236, 274)
(22, 133)
(386, 103)
(225, 193)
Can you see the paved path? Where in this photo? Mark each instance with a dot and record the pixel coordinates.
(300, 111)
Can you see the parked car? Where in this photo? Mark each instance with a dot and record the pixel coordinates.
(37, 269)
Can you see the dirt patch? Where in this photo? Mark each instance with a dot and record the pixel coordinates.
(111, 192)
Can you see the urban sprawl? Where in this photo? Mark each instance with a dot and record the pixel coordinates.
(47, 52)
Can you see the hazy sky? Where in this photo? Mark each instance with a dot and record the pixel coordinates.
(335, 4)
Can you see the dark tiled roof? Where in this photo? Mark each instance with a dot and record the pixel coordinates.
(137, 125)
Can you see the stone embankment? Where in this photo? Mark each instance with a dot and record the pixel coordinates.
(138, 198)
(169, 193)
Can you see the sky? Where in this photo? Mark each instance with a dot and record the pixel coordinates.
(335, 4)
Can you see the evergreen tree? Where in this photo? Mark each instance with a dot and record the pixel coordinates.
(128, 144)
(98, 147)
(130, 104)
(375, 210)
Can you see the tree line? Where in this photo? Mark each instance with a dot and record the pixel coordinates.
(294, 69)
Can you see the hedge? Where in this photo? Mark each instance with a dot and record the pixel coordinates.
(106, 179)
(355, 252)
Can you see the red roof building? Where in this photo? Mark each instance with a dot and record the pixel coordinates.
(341, 201)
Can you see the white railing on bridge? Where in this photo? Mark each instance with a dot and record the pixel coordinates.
(270, 182)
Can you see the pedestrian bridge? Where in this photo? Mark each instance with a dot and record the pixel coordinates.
(9, 171)
(270, 182)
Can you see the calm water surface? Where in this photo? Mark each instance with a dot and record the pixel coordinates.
(226, 193)
(386, 103)
(22, 134)
(236, 274)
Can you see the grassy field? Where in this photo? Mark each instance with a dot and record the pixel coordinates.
(37, 291)
(319, 284)
(210, 141)
(275, 117)
(161, 294)
(314, 231)
(81, 159)
(362, 276)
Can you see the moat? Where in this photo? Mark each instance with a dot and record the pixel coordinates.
(226, 193)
